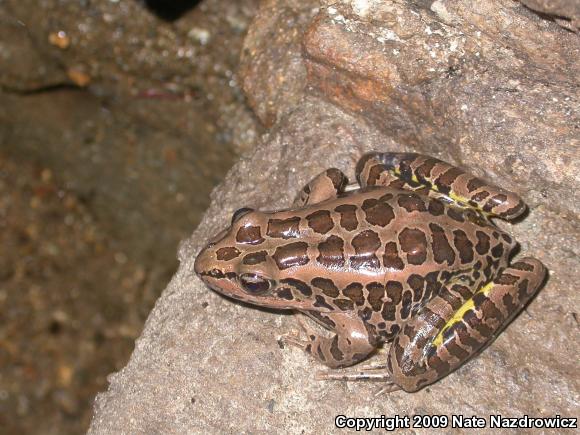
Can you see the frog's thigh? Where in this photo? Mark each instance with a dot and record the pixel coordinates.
(349, 344)
(417, 171)
(454, 326)
(324, 186)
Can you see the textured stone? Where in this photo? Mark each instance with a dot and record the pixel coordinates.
(271, 67)
(24, 73)
(487, 85)
(564, 12)
(126, 52)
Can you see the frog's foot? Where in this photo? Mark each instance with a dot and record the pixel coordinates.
(376, 372)
(375, 365)
(296, 338)
(372, 371)
(293, 339)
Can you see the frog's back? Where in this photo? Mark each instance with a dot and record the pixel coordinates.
(390, 250)
(396, 233)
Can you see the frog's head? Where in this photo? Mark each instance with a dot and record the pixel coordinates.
(256, 259)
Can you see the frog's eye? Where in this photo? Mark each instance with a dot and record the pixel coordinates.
(240, 212)
(255, 284)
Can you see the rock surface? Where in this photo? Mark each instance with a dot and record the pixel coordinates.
(565, 12)
(492, 89)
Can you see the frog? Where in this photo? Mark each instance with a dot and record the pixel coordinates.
(410, 255)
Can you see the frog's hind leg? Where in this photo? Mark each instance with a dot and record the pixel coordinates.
(438, 179)
(324, 186)
(456, 324)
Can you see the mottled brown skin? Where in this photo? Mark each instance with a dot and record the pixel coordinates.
(411, 257)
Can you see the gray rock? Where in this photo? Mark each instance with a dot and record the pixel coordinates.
(205, 363)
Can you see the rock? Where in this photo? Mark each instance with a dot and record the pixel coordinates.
(126, 52)
(271, 66)
(565, 12)
(24, 73)
(490, 87)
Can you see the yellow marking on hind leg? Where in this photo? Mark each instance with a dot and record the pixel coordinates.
(458, 198)
(397, 172)
(458, 315)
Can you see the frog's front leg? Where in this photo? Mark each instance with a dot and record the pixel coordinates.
(454, 326)
(324, 186)
(350, 343)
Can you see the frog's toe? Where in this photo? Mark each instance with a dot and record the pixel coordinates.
(308, 330)
(375, 365)
(293, 339)
(389, 388)
(370, 372)
(355, 374)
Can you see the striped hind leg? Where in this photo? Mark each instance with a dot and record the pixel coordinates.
(438, 179)
(457, 323)
(324, 186)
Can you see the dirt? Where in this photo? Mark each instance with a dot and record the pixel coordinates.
(72, 302)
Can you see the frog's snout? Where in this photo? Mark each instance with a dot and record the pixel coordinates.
(206, 258)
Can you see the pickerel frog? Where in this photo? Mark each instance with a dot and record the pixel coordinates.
(410, 256)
